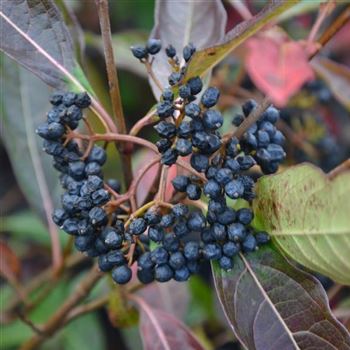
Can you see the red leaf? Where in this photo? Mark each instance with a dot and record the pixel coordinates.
(278, 67)
(161, 331)
(169, 190)
(10, 266)
(147, 180)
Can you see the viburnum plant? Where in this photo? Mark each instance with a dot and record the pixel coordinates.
(208, 197)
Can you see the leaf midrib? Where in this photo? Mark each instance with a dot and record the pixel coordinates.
(267, 298)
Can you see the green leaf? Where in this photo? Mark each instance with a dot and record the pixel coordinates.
(205, 59)
(35, 35)
(272, 305)
(73, 25)
(336, 76)
(24, 102)
(307, 216)
(26, 226)
(178, 23)
(121, 46)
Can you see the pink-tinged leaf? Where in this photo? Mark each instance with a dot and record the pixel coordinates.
(147, 181)
(10, 266)
(181, 22)
(271, 304)
(278, 67)
(336, 76)
(161, 331)
(169, 190)
(171, 297)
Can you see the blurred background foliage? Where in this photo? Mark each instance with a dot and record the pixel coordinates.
(25, 233)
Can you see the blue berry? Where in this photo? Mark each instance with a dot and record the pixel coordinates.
(165, 109)
(188, 51)
(82, 100)
(212, 251)
(212, 189)
(249, 244)
(165, 129)
(76, 170)
(58, 216)
(100, 197)
(177, 260)
(227, 216)
(191, 250)
(174, 78)
(248, 107)
(93, 168)
(196, 221)
(180, 210)
(195, 85)
(69, 98)
(114, 184)
(181, 229)
(192, 110)
(98, 216)
(180, 183)
(163, 273)
(137, 226)
(193, 191)
(145, 261)
(170, 51)
(236, 232)
(244, 216)
(111, 238)
(210, 97)
(199, 162)
(70, 226)
(153, 46)
(230, 249)
(169, 157)
(184, 129)
(184, 91)
(234, 189)
(98, 155)
(223, 176)
(159, 255)
(246, 162)
(121, 274)
(152, 217)
(163, 145)
(83, 243)
(182, 274)
(56, 98)
(139, 51)
(171, 243)
(226, 263)
(219, 232)
(145, 276)
(262, 237)
(212, 119)
(167, 220)
(183, 147)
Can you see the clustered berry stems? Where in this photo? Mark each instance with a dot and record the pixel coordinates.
(103, 13)
(148, 65)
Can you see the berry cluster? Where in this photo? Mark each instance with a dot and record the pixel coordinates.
(167, 240)
(84, 212)
(262, 140)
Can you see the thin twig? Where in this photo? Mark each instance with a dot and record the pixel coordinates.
(103, 13)
(333, 29)
(45, 276)
(56, 321)
(322, 15)
(149, 118)
(345, 166)
(152, 75)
